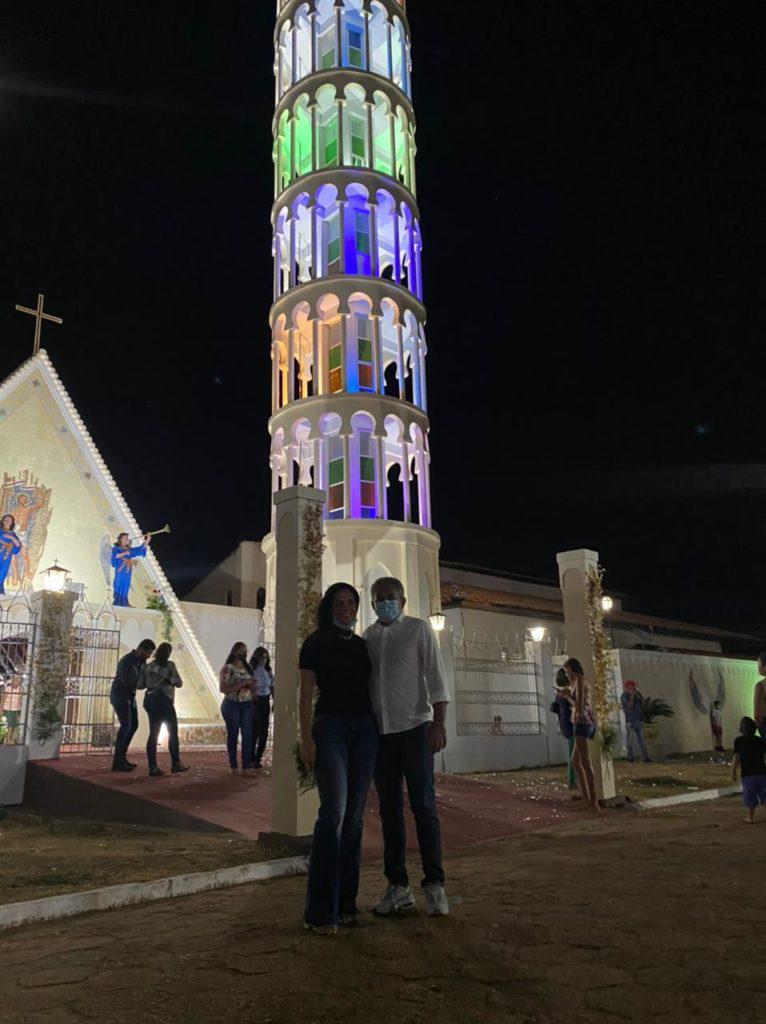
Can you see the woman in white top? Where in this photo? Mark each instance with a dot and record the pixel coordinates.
(237, 707)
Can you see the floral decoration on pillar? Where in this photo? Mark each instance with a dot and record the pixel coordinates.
(602, 662)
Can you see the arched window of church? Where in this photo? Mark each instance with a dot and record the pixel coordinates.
(327, 43)
(335, 356)
(335, 475)
(364, 343)
(285, 150)
(303, 142)
(353, 38)
(327, 125)
(331, 231)
(366, 474)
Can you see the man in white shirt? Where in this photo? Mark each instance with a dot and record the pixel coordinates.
(409, 699)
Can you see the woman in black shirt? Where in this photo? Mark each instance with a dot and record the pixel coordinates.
(341, 745)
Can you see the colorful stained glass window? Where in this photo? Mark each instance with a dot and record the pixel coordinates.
(364, 353)
(355, 45)
(366, 474)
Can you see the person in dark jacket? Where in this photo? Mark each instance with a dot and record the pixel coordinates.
(122, 697)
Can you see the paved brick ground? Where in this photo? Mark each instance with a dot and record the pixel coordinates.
(630, 918)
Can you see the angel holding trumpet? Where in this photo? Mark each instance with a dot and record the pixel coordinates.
(123, 556)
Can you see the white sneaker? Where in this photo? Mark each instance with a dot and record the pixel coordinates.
(436, 900)
(397, 899)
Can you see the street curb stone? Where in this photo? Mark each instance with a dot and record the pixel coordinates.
(687, 798)
(14, 914)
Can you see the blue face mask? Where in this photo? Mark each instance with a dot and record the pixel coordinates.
(344, 625)
(387, 611)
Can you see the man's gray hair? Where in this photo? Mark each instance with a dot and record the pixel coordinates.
(387, 581)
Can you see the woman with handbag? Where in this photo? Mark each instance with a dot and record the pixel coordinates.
(584, 724)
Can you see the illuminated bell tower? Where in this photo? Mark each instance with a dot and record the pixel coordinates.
(349, 410)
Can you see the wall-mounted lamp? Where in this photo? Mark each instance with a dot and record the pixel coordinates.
(537, 633)
(606, 603)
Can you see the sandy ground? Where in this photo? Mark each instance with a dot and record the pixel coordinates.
(635, 917)
(672, 775)
(42, 856)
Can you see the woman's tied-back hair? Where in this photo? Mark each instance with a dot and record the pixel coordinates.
(575, 666)
(258, 653)
(162, 654)
(324, 611)
(562, 679)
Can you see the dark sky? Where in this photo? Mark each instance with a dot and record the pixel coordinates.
(591, 185)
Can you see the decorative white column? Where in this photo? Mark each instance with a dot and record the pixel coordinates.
(574, 567)
(292, 814)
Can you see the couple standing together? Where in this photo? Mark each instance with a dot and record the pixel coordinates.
(380, 713)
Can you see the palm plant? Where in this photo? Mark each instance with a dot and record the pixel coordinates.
(656, 707)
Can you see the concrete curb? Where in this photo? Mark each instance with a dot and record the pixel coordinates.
(14, 914)
(687, 798)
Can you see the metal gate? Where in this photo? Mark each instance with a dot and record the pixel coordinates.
(18, 628)
(88, 726)
(496, 696)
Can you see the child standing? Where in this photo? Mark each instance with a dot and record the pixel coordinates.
(750, 759)
(716, 725)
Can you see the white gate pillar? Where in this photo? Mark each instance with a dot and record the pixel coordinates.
(50, 671)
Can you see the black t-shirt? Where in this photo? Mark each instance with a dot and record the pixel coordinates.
(751, 750)
(342, 666)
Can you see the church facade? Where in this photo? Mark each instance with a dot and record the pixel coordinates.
(349, 410)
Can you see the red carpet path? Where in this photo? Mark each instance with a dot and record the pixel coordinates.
(208, 797)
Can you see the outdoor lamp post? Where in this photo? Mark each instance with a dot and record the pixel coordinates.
(55, 577)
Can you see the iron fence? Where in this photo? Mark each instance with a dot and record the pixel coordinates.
(497, 697)
(88, 725)
(18, 628)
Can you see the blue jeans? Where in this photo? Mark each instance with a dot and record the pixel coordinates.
(346, 746)
(635, 734)
(239, 716)
(407, 755)
(124, 705)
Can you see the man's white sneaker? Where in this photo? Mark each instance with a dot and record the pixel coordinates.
(397, 899)
(436, 900)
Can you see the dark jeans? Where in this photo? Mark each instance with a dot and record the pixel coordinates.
(346, 748)
(124, 705)
(261, 727)
(159, 708)
(238, 715)
(407, 755)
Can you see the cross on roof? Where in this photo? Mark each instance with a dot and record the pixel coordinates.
(39, 317)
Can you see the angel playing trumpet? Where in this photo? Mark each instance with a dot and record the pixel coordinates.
(120, 556)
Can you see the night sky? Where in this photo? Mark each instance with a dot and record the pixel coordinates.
(591, 183)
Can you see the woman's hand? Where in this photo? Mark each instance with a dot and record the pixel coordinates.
(308, 751)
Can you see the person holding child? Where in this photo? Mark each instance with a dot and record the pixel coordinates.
(750, 761)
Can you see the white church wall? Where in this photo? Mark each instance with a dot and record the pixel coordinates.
(218, 628)
(670, 676)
